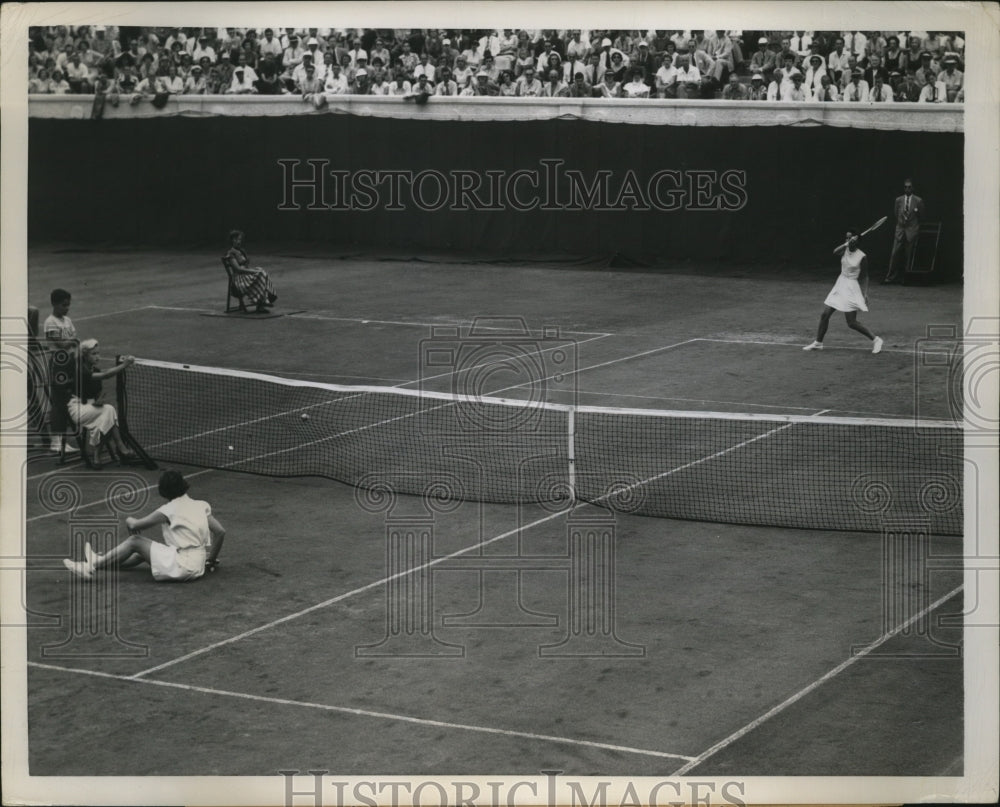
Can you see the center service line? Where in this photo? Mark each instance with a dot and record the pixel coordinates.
(508, 359)
(436, 561)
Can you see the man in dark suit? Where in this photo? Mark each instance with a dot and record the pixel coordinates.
(909, 210)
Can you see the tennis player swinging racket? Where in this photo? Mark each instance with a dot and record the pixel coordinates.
(850, 293)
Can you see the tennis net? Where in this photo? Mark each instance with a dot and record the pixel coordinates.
(761, 469)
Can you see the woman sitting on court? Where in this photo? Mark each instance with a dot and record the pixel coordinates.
(253, 283)
(86, 409)
(192, 539)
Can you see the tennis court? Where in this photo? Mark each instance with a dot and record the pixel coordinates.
(742, 648)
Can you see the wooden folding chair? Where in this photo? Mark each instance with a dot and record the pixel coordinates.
(924, 257)
(232, 290)
(83, 445)
(80, 435)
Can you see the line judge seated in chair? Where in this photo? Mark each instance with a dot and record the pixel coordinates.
(252, 284)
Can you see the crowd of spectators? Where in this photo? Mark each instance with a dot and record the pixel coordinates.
(319, 64)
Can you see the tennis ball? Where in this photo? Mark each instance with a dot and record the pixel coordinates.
(230, 448)
(305, 416)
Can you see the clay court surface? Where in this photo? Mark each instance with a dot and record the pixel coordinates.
(757, 651)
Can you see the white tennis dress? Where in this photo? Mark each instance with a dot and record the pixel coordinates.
(846, 294)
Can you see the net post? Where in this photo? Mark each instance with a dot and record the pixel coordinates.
(571, 451)
(121, 397)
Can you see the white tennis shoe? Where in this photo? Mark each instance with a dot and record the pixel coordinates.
(80, 568)
(877, 346)
(814, 346)
(91, 556)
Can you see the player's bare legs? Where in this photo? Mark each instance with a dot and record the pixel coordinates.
(852, 323)
(130, 552)
(824, 324)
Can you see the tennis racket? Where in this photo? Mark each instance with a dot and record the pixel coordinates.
(874, 227)
(871, 229)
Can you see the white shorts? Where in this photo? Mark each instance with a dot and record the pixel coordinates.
(166, 564)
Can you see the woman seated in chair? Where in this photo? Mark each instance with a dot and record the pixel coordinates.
(252, 283)
(85, 408)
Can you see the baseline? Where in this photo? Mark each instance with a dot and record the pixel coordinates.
(415, 324)
(798, 344)
(366, 712)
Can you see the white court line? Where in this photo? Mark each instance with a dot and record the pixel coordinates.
(696, 400)
(421, 721)
(745, 403)
(410, 323)
(825, 347)
(405, 323)
(112, 313)
(717, 454)
(615, 361)
(57, 469)
(593, 336)
(590, 367)
(261, 419)
(105, 499)
(508, 359)
(736, 735)
(289, 373)
(180, 308)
